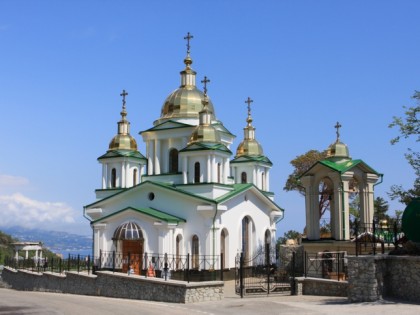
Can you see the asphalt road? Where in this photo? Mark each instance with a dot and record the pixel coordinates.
(25, 302)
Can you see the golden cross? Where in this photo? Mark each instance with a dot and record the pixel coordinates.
(123, 94)
(338, 126)
(188, 38)
(205, 81)
(249, 101)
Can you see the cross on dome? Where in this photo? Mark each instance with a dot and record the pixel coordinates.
(205, 81)
(123, 94)
(249, 101)
(338, 126)
(188, 38)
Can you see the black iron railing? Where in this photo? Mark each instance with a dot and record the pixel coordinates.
(181, 267)
(326, 265)
(375, 237)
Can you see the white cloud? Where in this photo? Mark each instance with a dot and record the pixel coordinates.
(17, 209)
(12, 181)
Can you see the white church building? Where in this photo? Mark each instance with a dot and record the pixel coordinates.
(188, 193)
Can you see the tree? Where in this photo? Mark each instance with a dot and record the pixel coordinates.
(409, 126)
(381, 207)
(301, 164)
(289, 235)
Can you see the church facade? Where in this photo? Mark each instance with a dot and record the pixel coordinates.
(188, 193)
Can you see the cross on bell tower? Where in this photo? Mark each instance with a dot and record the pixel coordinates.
(249, 101)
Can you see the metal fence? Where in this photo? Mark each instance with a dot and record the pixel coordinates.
(326, 265)
(181, 267)
(376, 237)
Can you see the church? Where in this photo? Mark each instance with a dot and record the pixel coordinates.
(189, 193)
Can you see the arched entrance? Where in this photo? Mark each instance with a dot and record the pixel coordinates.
(130, 236)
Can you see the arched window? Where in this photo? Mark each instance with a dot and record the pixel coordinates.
(135, 177)
(243, 178)
(245, 239)
(195, 252)
(197, 172)
(113, 178)
(219, 173)
(173, 161)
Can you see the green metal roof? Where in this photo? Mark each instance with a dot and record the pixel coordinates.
(170, 124)
(205, 146)
(250, 158)
(157, 214)
(122, 153)
(343, 166)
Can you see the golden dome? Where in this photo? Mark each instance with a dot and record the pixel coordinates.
(184, 102)
(338, 149)
(249, 147)
(123, 140)
(205, 132)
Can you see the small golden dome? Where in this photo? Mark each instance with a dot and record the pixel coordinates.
(249, 147)
(123, 142)
(338, 150)
(205, 133)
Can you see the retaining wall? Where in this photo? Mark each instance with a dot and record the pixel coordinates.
(322, 287)
(372, 278)
(117, 285)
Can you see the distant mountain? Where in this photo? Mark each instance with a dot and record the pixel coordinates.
(57, 242)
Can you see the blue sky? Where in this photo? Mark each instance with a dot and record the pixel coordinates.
(306, 65)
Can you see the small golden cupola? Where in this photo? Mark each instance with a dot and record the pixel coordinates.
(187, 100)
(338, 151)
(249, 146)
(205, 131)
(123, 140)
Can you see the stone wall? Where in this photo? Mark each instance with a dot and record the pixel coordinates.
(117, 285)
(372, 278)
(322, 287)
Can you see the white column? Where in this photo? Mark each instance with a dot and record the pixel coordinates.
(150, 157)
(312, 207)
(185, 169)
(267, 179)
(104, 176)
(209, 171)
(157, 157)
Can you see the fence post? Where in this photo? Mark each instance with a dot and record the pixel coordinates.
(188, 267)
(357, 236)
(113, 261)
(146, 264)
(395, 235)
(88, 264)
(52, 264)
(293, 286)
(374, 238)
(68, 263)
(241, 275)
(268, 263)
(222, 266)
(305, 264)
(100, 260)
(60, 267)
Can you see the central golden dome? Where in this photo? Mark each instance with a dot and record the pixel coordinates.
(185, 102)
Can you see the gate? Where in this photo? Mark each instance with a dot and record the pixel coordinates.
(261, 274)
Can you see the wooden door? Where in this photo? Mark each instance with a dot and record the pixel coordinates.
(132, 255)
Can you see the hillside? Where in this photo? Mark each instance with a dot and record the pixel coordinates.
(57, 242)
(5, 248)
